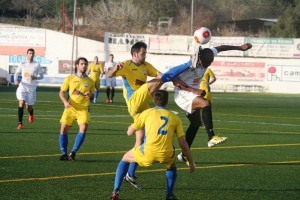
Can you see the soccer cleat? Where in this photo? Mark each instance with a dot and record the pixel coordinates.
(115, 195)
(171, 197)
(107, 100)
(111, 101)
(72, 155)
(94, 101)
(196, 56)
(216, 140)
(31, 119)
(182, 158)
(20, 126)
(132, 181)
(64, 157)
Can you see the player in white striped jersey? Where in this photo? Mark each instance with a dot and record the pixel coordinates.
(31, 71)
(190, 98)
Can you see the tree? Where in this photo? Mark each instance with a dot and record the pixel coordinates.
(288, 24)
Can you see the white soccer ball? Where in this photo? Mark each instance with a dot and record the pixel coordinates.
(202, 35)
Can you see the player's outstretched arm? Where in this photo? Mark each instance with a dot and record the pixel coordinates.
(112, 73)
(243, 47)
(186, 151)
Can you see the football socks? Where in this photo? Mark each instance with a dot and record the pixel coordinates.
(207, 120)
(171, 175)
(120, 174)
(174, 72)
(190, 134)
(31, 111)
(20, 114)
(78, 141)
(132, 168)
(107, 92)
(96, 94)
(63, 142)
(112, 93)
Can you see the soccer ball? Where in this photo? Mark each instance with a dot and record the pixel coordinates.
(202, 35)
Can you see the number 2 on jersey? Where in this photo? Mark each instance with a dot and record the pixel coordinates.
(160, 130)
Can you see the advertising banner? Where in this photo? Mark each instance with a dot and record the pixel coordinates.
(239, 71)
(16, 41)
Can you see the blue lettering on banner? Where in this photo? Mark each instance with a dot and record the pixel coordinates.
(19, 59)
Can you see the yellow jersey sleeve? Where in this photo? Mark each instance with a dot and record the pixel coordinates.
(208, 73)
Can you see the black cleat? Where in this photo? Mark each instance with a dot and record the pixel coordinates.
(64, 157)
(171, 197)
(72, 155)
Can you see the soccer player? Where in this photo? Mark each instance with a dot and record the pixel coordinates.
(191, 100)
(161, 126)
(138, 92)
(208, 79)
(31, 71)
(95, 69)
(110, 82)
(81, 89)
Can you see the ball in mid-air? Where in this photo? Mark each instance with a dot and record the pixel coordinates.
(202, 35)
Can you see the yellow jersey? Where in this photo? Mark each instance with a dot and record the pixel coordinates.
(205, 80)
(161, 126)
(134, 76)
(77, 87)
(95, 70)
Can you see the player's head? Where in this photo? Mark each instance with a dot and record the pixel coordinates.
(206, 56)
(138, 52)
(96, 59)
(30, 50)
(160, 98)
(30, 54)
(81, 65)
(111, 57)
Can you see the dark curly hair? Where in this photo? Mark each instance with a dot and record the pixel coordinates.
(206, 56)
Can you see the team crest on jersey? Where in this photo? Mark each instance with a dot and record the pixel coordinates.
(86, 85)
(26, 74)
(145, 72)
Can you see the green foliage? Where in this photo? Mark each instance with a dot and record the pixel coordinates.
(135, 16)
(288, 25)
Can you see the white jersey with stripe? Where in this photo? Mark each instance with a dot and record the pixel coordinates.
(193, 76)
(28, 69)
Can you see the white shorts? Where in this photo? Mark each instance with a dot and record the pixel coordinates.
(184, 100)
(27, 94)
(111, 82)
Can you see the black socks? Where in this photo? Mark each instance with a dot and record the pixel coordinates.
(20, 114)
(207, 120)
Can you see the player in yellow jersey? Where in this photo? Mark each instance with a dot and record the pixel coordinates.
(81, 89)
(137, 91)
(161, 127)
(207, 79)
(96, 69)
